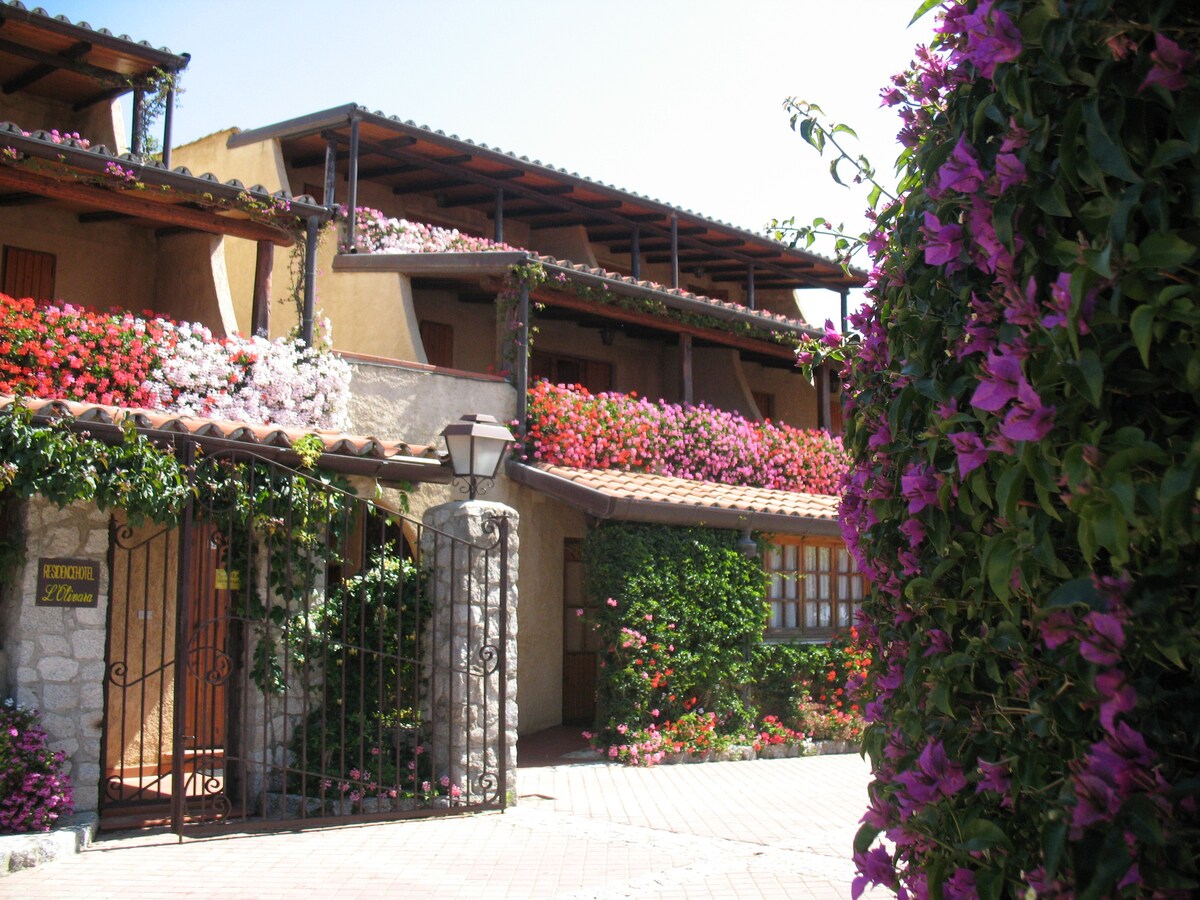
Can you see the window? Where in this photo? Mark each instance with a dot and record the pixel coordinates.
(765, 403)
(438, 340)
(594, 375)
(28, 273)
(814, 587)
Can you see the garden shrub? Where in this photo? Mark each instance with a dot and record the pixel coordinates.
(679, 610)
(1022, 416)
(34, 791)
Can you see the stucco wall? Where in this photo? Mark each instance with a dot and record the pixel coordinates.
(795, 398)
(191, 282)
(717, 379)
(99, 265)
(260, 163)
(545, 523)
(102, 124)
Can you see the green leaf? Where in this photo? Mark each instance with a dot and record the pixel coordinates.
(1093, 375)
(941, 697)
(865, 838)
(1104, 150)
(1054, 839)
(983, 834)
(1077, 590)
(925, 7)
(844, 129)
(1164, 251)
(1141, 323)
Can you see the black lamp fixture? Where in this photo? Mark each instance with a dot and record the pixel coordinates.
(747, 545)
(476, 444)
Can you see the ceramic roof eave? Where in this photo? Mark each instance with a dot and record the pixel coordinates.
(496, 263)
(345, 454)
(160, 57)
(601, 505)
(675, 299)
(340, 116)
(95, 160)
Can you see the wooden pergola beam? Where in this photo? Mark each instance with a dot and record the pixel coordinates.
(659, 324)
(159, 211)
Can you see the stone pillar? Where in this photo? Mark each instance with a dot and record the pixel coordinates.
(55, 655)
(472, 647)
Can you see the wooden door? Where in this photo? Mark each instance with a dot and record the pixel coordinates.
(581, 644)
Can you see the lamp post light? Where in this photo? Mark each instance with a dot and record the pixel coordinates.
(476, 444)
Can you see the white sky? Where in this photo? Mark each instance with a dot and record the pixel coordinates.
(680, 100)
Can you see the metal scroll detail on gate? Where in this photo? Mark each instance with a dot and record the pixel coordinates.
(322, 659)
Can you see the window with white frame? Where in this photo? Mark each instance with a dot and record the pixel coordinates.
(814, 587)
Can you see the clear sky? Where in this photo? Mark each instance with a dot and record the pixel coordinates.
(680, 100)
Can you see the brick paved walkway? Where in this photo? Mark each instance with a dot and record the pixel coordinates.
(771, 828)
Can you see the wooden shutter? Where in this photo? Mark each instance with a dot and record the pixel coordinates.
(438, 339)
(28, 273)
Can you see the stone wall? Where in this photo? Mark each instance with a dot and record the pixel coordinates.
(54, 655)
(466, 708)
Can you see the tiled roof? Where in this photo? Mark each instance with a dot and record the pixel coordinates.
(346, 453)
(483, 160)
(761, 317)
(37, 15)
(81, 153)
(640, 496)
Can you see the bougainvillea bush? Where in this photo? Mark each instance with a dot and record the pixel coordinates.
(570, 426)
(66, 352)
(34, 792)
(1024, 420)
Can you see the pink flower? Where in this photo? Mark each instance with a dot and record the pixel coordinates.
(943, 243)
(961, 171)
(1170, 61)
(611, 602)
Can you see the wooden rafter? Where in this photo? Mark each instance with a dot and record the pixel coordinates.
(660, 324)
(140, 205)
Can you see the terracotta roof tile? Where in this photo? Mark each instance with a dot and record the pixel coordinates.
(706, 494)
(344, 452)
(641, 496)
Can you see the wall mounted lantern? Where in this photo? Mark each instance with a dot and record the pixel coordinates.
(476, 444)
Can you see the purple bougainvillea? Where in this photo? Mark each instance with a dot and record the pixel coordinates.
(1023, 408)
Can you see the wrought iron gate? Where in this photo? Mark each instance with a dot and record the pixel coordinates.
(293, 653)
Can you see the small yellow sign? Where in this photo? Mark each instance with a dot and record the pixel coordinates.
(227, 580)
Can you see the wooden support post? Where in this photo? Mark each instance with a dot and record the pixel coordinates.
(845, 310)
(310, 278)
(685, 366)
(330, 171)
(352, 200)
(498, 224)
(750, 286)
(168, 121)
(260, 310)
(635, 251)
(521, 363)
(675, 250)
(135, 137)
(824, 413)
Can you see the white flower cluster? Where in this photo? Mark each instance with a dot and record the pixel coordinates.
(255, 380)
(377, 233)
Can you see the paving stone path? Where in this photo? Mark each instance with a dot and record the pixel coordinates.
(764, 829)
